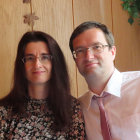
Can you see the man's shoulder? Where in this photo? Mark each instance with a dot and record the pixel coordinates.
(85, 99)
(130, 75)
(136, 73)
(83, 96)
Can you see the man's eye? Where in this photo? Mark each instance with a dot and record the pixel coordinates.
(79, 50)
(97, 47)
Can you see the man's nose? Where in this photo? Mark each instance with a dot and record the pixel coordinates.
(89, 53)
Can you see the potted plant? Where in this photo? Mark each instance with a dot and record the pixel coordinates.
(133, 8)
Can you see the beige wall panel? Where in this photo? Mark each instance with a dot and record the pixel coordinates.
(127, 39)
(85, 10)
(97, 10)
(55, 18)
(11, 29)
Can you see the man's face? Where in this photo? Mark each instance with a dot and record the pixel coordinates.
(91, 62)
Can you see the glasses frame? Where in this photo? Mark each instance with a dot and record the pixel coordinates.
(103, 46)
(39, 58)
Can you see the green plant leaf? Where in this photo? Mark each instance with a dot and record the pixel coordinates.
(133, 9)
(136, 15)
(125, 6)
(129, 10)
(130, 20)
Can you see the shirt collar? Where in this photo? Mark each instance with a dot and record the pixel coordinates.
(113, 87)
(114, 84)
(87, 98)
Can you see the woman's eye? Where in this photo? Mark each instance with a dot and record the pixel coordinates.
(29, 58)
(45, 57)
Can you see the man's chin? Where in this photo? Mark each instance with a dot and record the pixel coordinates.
(89, 72)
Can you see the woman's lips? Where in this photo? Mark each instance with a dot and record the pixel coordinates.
(38, 72)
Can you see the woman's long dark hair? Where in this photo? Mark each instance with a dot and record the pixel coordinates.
(59, 98)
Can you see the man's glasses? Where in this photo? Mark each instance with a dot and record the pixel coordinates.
(30, 59)
(95, 48)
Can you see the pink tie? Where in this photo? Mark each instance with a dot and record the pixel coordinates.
(103, 119)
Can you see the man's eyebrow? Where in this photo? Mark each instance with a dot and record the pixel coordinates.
(93, 43)
(78, 47)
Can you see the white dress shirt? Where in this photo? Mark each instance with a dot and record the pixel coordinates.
(122, 106)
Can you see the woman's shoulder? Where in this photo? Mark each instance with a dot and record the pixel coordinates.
(76, 104)
(4, 111)
(3, 108)
(75, 101)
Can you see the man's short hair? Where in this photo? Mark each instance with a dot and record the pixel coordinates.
(89, 25)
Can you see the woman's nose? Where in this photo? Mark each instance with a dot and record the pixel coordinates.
(37, 62)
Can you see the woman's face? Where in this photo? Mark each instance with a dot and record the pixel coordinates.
(38, 63)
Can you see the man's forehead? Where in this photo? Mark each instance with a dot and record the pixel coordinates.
(89, 36)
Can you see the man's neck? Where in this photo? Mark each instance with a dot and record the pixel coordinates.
(97, 83)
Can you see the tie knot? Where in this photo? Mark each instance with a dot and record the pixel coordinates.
(100, 97)
(100, 100)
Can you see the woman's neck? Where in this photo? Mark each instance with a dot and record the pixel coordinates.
(38, 91)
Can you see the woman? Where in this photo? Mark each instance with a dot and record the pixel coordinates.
(40, 106)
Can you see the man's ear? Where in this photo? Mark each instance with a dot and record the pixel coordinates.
(113, 51)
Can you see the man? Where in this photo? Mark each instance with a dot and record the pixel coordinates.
(111, 107)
